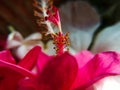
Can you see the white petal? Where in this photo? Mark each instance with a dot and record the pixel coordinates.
(34, 36)
(80, 19)
(22, 50)
(108, 83)
(81, 39)
(108, 39)
(14, 39)
(79, 14)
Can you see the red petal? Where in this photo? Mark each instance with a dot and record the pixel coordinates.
(6, 56)
(16, 68)
(31, 58)
(8, 79)
(27, 84)
(10, 74)
(3, 39)
(59, 73)
(102, 65)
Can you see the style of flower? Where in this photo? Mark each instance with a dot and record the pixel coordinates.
(11, 72)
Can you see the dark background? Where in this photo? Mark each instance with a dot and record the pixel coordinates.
(19, 14)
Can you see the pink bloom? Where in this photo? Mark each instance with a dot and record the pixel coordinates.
(67, 72)
(12, 72)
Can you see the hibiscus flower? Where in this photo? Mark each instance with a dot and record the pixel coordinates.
(70, 72)
(11, 72)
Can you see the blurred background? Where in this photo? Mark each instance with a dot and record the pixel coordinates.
(79, 13)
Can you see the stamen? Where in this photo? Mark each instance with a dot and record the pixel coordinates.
(50, 16)
(61, 42)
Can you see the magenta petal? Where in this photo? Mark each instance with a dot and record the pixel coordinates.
(102, 65)
(31, 58)
(42, 61)
(59, 73)
(6, 56)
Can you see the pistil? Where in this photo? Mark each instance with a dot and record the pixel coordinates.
(60, 40)
(51, 16)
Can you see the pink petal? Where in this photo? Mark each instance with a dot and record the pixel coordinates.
(59, 73)
(82, 59)
(102, 65)
(31, 58)
(6, 56)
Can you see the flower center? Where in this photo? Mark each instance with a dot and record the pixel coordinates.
(60, 40)
(50, 17)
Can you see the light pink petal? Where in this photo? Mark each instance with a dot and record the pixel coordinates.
(6, 56)
(59, 73)
(83, 58)
(102, 65)
(31, 58)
